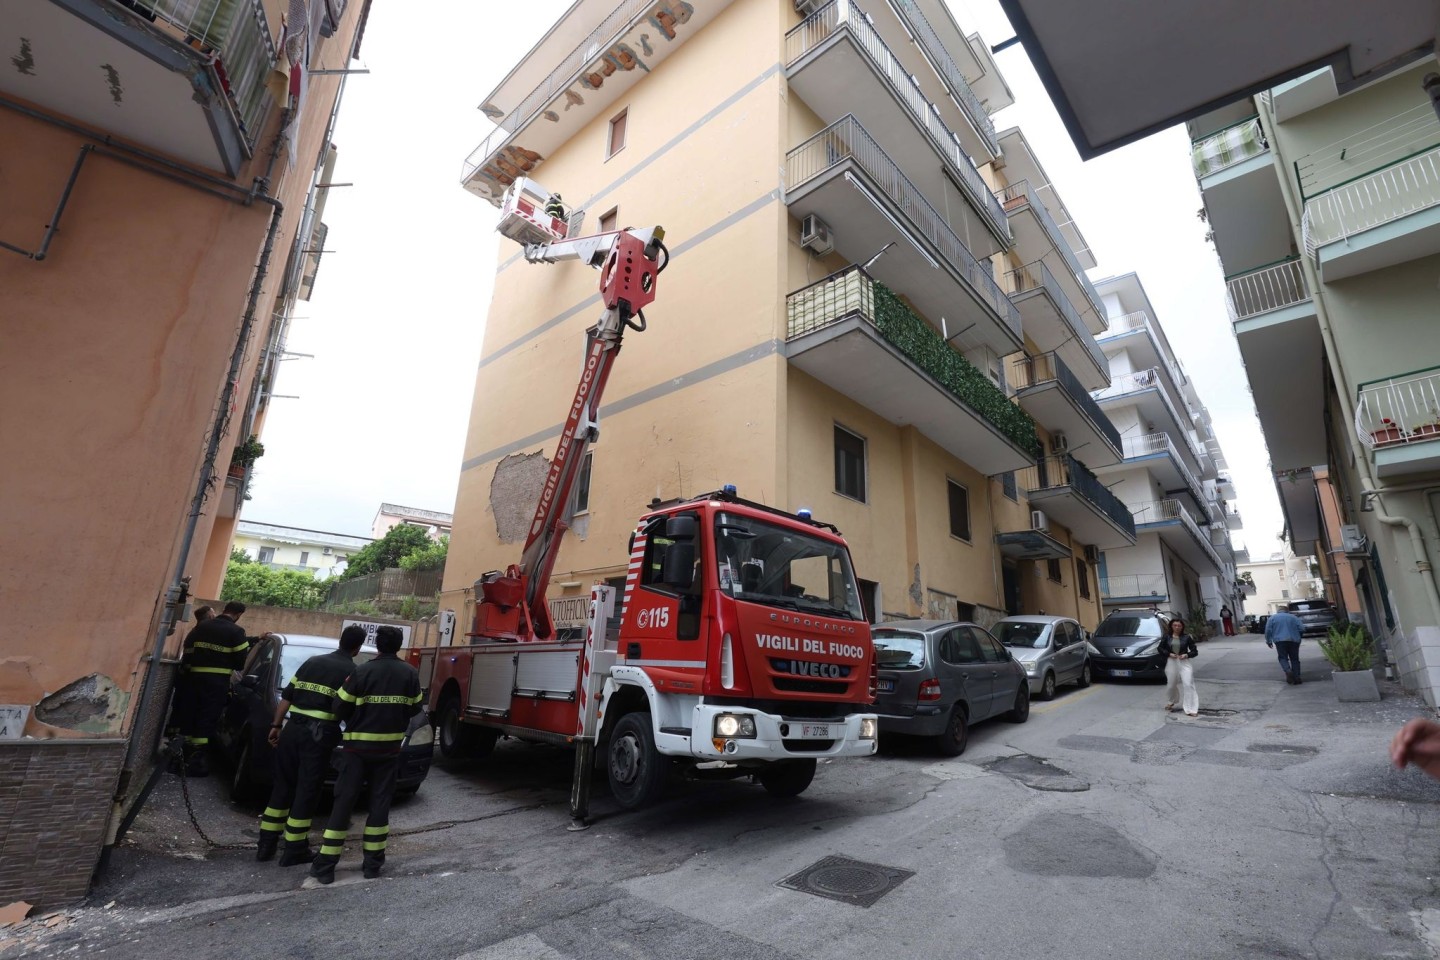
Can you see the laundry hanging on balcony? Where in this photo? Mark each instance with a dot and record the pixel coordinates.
(1229, 146)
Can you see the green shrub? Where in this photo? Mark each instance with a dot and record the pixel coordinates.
(1349, 647)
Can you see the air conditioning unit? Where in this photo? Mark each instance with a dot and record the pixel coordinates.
(327, 551)
(1353, 539)
(815, 233)
(1059, 443)
(1038, 521)
(807, 7)
(1092, 554)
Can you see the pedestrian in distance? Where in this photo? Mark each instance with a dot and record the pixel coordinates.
(1227, 619)
(375, 704)
(216, 648)
(1179, 671)
(303, 747)
(1418, 743)
(1283, 633)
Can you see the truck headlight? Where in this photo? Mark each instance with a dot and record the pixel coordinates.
(867, 728)
(734, 725)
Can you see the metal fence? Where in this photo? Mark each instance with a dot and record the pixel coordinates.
(391, 584)
(1270, 288)
(1153, 443)
(1360, 152)
(1047, 367)
(1389, 194)
(1134, 585)
(1169, 510)
(1065, 471)
(1022, 192)
(846, 293)
(1399, 410)
(939, 56)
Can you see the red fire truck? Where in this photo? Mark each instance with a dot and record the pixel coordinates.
(742, 648)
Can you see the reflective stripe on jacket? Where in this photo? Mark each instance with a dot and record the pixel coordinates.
(313, 689)
(377, 702)
(216, 646)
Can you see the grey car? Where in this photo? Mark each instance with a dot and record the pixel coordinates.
(1051, 649)
(937, 677)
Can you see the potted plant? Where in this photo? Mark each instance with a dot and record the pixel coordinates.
(245, 454)
(1430, 428)
(1350, 651)
(1389, 432)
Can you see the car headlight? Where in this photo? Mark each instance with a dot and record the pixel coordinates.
(421, 736)
(731, 725)
(867, 728)
(1029, 668)
(1149, 651)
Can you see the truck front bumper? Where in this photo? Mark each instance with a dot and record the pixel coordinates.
(781, 737)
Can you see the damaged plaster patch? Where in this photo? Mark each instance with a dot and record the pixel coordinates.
(25, 62)
(916, 592)
(112, 77)
(92, 704)
(514, 491)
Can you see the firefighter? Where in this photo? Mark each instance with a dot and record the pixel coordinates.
(303, 748)
(554, 207)
(376, 704)
(216, 647)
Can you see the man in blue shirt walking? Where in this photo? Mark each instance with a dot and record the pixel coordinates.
(1283, 632)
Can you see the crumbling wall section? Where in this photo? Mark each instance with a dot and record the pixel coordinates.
(514, 491)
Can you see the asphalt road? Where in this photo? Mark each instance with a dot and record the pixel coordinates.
(1270, 826)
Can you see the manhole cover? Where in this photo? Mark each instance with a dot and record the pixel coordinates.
(1288, 748)
(1217, 713)
(846, 880)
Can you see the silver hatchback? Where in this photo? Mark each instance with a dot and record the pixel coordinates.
(1051, 649)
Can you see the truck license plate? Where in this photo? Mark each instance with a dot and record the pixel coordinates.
(886, 686)
(814, 731)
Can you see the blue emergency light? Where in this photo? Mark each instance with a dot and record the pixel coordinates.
(728, 489)
(803, 513)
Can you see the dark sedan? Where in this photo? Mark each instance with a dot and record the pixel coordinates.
(937, 677)
(250, 709)
(1127, 644)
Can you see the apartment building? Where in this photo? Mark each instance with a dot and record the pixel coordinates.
(876, 307)
(1282, 578)
(163, 171)
(319, 552)
(1325, 211)
(1171, 474)
(391, 515)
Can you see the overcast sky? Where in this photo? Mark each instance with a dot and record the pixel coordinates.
(400, 304)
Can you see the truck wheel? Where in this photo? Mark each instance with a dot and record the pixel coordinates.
(787, 778)
(461, 740)
(635, 769)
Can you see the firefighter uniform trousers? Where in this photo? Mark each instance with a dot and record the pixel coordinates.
(301, 761)
(217, 647)
(356, 769)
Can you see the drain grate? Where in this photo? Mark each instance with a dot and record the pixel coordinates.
(849, 881)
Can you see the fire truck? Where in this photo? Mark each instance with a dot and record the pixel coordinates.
(741, 647)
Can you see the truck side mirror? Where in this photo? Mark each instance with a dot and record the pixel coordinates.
(678, 569)
(680, 528)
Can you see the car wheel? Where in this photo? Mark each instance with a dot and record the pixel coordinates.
(635, 769)
(1021, 711)
(242, 782)
(461, 740)
(1047, 687)
(953, 741)
(1084, 679)
(787, 778)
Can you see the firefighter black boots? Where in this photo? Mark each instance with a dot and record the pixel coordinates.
(372, 863)
(322, 868)
(296, 854)
(265, 849)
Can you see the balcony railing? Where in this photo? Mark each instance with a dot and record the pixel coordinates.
(1130, 383)
(238, 35)
(1037, 276)
(845, 140)
(1361, 152)
(1045, 367)
(1019, 193)
(1161, 443)
(1234, 144)
(1400, 410)
(1165, 511)
(1134, 585)
(558, 80)
(1266, 289)
(843, 14)
(1389, 194)
(954, 80)
(852, 293)
(1050, 473)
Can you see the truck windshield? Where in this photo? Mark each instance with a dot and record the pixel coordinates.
(779, 566)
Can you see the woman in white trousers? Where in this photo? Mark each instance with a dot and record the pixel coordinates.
(1180, 647)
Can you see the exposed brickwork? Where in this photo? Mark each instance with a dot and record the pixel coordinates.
(54, 803)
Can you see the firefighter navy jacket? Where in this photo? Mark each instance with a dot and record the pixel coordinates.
(377, 702)
(317, 683)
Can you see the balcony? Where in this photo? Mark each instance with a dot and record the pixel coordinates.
(1037, 235)
(1053, 323)
(1228, 149)
(1134, 588)
(1146, 347)
(843, 176)
(856, 337)
(1388, 217)
(581, 68)
(839, 65)
(1225, 487)
(1145, 390)
(1399, 420)
(1159, 455)
(181, 77)
(1170, 520)
(1047, 390)
(1268, 290)
(981, 137)
(1231, 515)
(1067, 492)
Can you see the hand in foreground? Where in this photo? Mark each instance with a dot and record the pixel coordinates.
(1418, 742)
(274, 737)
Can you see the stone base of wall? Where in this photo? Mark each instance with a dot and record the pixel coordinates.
(54, 805)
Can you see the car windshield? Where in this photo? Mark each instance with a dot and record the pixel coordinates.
(1020, 634)
(294, 654)
(899, 648)
(1131, 627)
(780, 566)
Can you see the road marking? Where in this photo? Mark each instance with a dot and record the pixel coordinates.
(524, 947)
(1077, 695)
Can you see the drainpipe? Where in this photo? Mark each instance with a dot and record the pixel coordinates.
(1370, 489)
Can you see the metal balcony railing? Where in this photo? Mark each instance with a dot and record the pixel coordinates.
(845, 140)
(237, 33)
(1132, 382)
(1050, 473)
(1045, 367)
(1168, 511)
(558, 80)
(1361, 152)
(1399, 410)
(1134, 585)
(1161, 443)
(1391, 193)
(845, 15)
(1020, 193)
(1222, 150)
(1126, 323)
(1037, 276)
(1266, 289)
(954, 80)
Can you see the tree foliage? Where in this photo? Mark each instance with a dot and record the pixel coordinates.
(254, 583)
(401, 541)
(429, 557)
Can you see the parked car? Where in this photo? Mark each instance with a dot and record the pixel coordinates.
(1051, 649)
(937, 677)
(1316, 616)
(1127, 644)
(1260, 622)
(1247, 625)
(254, 693)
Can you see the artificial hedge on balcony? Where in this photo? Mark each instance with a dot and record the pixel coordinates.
(919, 341)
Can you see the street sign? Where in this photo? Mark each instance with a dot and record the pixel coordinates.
(12, 721)
(371, 626)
